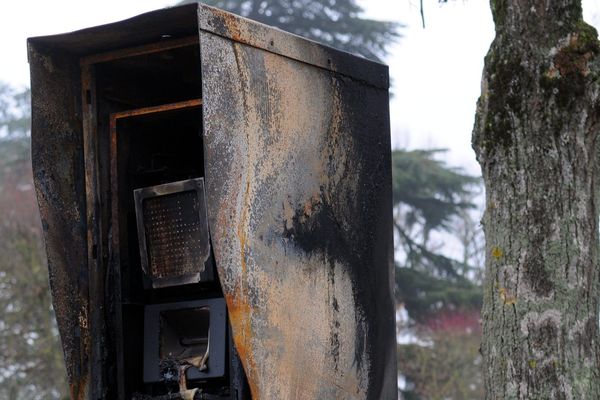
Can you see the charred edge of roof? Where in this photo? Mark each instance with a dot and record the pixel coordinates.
(292, 46)
(142, 29)
(186, 20)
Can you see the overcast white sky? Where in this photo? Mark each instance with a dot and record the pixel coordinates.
(436, 71)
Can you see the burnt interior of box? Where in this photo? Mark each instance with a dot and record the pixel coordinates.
(151, 79)
(185, 334)
(148, 123)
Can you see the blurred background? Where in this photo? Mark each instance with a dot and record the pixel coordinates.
(435, 52)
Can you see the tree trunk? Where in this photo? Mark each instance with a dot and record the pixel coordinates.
(535, 138)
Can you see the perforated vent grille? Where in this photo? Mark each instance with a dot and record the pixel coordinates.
(173, 233)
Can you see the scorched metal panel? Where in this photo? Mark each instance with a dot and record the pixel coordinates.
(297, 161)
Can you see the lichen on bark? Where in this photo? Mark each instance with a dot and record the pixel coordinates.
(535, 136)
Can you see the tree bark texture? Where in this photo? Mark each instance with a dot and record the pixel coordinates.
(535, 138)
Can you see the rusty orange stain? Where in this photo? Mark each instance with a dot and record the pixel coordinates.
(238, 307)
(78, 389)
(231, 22)
(241, 230)
(194, 103)
(239, 315)
(311, 204)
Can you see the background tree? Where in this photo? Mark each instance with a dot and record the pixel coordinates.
(535, 137)
(31, 365)
(15, 110)
(432, 198)
(441, 294)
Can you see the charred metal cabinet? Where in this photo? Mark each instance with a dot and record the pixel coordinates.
(216, 203)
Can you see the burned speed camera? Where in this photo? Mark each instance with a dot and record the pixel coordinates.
(216, 203)
(172, 229)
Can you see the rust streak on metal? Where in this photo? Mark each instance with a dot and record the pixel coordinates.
(78, 389)
(232, 24)
(156, 109)
(241, 230)
(239, 314)
(240, 311)
(140, 50)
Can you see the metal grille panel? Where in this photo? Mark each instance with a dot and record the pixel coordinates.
(173, 234)
(173, 231)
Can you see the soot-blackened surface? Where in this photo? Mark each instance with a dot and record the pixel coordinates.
(299, 199)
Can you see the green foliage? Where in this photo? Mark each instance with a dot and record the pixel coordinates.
(447, 368)
(15, 109)
(337, 23)
(13, 151)
(424, 295)
(434, 192)
(431, 197)
(31, 364)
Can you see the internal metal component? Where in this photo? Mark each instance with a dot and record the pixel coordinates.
(185, 340)
(173, 232)
(184, 336)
